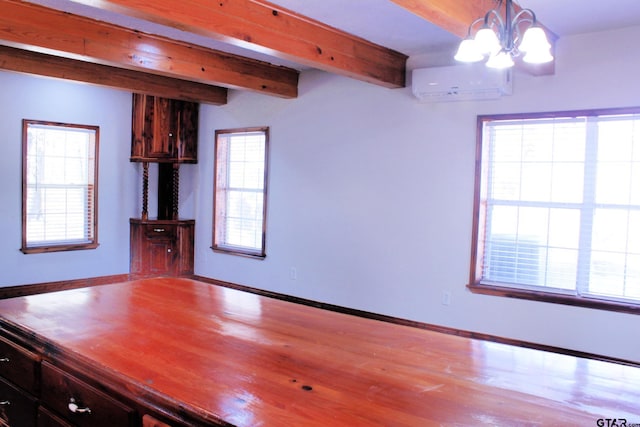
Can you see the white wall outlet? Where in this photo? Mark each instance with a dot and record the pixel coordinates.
(446, 298)
(293, 273)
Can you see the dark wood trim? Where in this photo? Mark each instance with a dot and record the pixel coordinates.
(262, 253)
(58, 248)
(93, 208)
(40, 288)
(502, 291)
(563, 113)
(416, 324)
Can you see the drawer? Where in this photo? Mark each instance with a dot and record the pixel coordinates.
(79, 403)
(18, 365)
(157, 231)
(149, 421)
(47, 419)
(17, 408)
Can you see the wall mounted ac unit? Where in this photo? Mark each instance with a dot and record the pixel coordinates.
(460, 83)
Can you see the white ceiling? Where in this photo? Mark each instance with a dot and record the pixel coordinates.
(385, 23)
(566, 17)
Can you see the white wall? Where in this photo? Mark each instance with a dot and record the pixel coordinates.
(27, 97)
(371, 196)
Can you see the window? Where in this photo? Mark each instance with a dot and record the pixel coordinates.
(240, 191)
(558, 208)
(59, 186)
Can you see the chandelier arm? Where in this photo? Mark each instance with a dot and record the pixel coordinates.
(493, 13)
(477, 21)
(523, 12)
(517, 31)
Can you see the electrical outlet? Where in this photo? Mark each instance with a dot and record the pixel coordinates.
(293, 273)
(446, 298)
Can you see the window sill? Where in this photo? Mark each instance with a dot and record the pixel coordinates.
(58, 248)
(238, 252)
(587, 302)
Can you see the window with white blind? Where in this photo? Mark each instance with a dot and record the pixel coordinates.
(558, 207)
(240, 191)
(59, 186)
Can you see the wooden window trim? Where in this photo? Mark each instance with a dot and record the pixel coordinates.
(531, 295)
(238, 250)
(475, 285)
(65, 246)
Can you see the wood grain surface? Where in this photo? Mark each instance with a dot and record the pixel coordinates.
(238, 358)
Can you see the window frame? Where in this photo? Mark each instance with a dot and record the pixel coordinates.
(63, 245)
(238, 250)
(479, 215)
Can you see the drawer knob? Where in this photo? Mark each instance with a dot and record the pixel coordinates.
(5, 360)
(76, 409)
(5, 403)
(159, 230)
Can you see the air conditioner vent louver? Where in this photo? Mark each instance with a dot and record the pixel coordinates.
(460, 83)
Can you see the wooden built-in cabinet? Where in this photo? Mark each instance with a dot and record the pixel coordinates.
(34, 392)
(19, 370)
(162, 247)
(164, 131)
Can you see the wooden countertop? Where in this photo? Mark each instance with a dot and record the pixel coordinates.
(248, 360)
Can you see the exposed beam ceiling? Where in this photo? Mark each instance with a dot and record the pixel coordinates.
(456, 15)
(97, 50)
(267, 28)
(45, 30)
(25, 61)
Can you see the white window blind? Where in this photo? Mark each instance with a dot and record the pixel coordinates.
(560, 205)
(240, 191)
(59, 180)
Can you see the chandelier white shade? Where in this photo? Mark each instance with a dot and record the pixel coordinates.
(501, 39)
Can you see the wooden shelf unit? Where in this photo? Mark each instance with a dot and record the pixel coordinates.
(163, 131)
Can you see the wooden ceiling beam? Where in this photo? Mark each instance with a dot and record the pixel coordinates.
(40, 29)
(455, 16)
(24, 61)
(264, 27)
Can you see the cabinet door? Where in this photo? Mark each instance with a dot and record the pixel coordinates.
(138, 126)
(162, 144)
(187, 128)
(146, 112)
(17, 409)
(160, 242)
(185, 259)
(161, 254)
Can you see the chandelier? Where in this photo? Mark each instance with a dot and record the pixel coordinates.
(502, 39)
